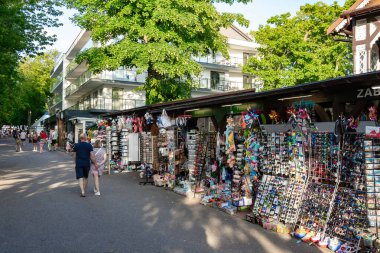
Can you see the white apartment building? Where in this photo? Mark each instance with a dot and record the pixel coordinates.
(81, 95)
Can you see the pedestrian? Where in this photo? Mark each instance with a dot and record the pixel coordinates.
(43, 140)
(83, 155)
(23, 137)
(54, 140)
(16, 136)
(15, 133)
(69, 141)
(34, 141)
(101, 158)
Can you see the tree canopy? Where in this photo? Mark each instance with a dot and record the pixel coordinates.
(22, 33)
(32, 89)
(296, 50)
(157, 36)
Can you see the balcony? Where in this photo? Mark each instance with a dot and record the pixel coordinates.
(223, 85)
(57, 83)
(233, 62)
(107, 104)
(74, 70)
(54, 103)
(89, 81)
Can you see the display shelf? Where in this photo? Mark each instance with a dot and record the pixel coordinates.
(372, 171)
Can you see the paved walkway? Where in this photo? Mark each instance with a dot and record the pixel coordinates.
(41, 211)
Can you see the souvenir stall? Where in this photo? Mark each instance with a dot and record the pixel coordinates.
(321, 184)
(284, 174)
(125, 143)
(230, 177)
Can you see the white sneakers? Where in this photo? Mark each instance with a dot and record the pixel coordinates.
(96, 193)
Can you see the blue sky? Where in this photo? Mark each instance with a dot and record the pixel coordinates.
(257, 12)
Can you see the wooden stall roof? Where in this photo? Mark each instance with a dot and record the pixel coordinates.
(250, 95)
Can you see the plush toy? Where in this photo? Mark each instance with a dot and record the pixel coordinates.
(303, 114)
(273, 115)
(372, 115)
(352, 123)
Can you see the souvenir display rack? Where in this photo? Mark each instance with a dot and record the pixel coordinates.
(372, 164)
(146, 148)
(123, 148)
(348, 217)
(192, 147)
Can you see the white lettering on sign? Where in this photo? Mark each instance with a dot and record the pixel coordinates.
(363, 93)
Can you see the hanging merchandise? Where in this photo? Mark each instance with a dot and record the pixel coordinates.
(164, 121)
(115, 162)
(148, 118)
(124, 146)
(372, 113)
(230, 139)
(274, 116)
(146, 148)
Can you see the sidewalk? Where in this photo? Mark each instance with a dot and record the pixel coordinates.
(41, 211)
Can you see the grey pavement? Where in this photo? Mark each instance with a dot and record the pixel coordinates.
(41, 211)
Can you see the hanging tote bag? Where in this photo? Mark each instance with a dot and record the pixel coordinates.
(164, 121)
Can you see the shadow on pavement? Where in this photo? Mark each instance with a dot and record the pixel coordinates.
(42, 212)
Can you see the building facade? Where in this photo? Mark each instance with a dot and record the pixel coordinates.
(80, 96)
(360, 24)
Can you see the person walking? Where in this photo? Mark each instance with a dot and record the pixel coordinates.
(83, 155)
(101, 158)
(54, 140)
(43, 140)
(16, 136)
(34, 141)
(23, 137)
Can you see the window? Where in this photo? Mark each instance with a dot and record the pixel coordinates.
(117, 98)
(246, 56)
(217, 80)
(374, 58)
(247, 82)
(362, 58)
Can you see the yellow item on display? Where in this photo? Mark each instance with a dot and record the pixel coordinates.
(231, 142)
(308, 236)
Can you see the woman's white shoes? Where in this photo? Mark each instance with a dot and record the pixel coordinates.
(97, 193)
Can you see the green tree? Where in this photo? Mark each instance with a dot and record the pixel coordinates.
(296, 50)
(22, 34)
(157, 36)
(33, 87)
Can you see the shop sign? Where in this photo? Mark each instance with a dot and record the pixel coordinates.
(369, 92)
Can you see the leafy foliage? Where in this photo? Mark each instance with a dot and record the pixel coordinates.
(158, 36)
(33, 87)
(296, 50)
(22, 33)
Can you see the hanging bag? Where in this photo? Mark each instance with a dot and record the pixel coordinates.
(164, 121)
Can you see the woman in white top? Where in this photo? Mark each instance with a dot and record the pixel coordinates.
(101, 157)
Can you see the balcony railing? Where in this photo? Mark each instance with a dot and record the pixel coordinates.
(123, 75)
(221, 85)
(57, 82)
(220, 60)
(108, 104)
(55, 100)
(71, 67)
